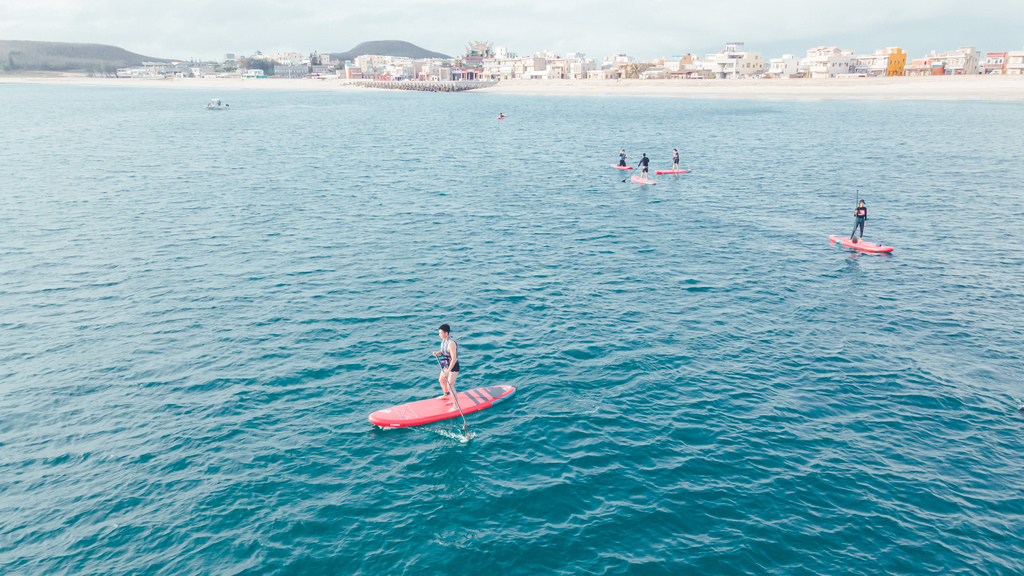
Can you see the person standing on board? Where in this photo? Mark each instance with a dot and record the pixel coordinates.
(622, 158)
(644, 161)
(861, 213)
(449, 357)
(675, 159)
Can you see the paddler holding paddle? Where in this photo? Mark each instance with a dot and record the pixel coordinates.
(622, 158)
(675, 159)
(448, 357)
(861, 215)
(644, 161)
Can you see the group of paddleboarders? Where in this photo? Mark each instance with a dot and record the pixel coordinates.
(644, 161)
(860, 214)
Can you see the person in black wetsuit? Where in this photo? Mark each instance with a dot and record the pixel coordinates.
(675, 159)
(861, 214)
(622, 158)
(449, 358)
(644, 161)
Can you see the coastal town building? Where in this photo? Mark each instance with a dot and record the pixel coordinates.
(681, 66)
(371, 63)
(290, 69)
(482, 61)
(655, 73)
(351, 72)
(579, 65)
(1015, 62)
(957, 62)
(925, 67)
(157, 70)
(828, 62)
(884, 62)
(995, 63)
(786, 67)
(962, 61)
(733, 62)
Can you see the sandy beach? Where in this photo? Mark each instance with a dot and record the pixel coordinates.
(892, 88)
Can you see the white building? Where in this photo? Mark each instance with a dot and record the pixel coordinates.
(962, 61)
(579, 65)
(371, 63)
(786, 67)
(734, 62)
(617, 59)
(1015, 62)
(288, 56)
(829, 62)
(655, 73)
(291, 69)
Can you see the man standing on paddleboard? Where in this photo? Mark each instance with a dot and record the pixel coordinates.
(622, 158)
(644, 162)
(449, 359)
(861, 213)
(675, 159)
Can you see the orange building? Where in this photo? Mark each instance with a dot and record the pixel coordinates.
(897, 61)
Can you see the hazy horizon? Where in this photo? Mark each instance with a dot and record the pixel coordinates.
(206, 31)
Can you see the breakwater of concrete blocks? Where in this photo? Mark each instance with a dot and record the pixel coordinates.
(460, 86)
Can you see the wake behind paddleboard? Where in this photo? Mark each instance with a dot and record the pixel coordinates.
(861, 245)
(622, 167)
(640, 180)
(671, 171)
(434, 409)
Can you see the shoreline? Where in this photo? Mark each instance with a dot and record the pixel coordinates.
(999, 88)
(1007, 88)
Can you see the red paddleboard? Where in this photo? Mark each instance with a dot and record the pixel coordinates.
(639, 180)
(434, 409)
(622, 167)
(671, 171)
(861, 245)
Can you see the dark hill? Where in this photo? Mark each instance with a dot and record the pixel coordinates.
(388, 48)
(16, 55)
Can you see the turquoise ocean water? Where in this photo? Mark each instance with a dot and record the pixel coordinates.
(198, 310)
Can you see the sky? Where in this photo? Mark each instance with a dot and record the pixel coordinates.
(207, 29)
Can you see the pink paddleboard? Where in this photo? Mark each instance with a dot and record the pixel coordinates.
(671, 171)
(639, 180)
(434, 409)
(861, 245)
(622, 167)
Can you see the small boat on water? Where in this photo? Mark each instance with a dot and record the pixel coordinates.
(216, 104)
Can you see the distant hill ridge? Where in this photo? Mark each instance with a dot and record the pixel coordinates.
(395, 48)
(30, 55)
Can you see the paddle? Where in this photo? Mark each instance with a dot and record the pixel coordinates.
(455, 399)
(856, 205)
(630, 173)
